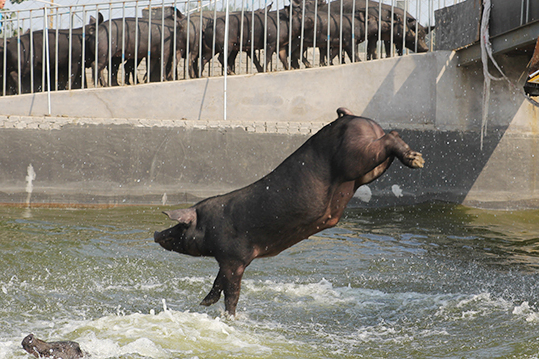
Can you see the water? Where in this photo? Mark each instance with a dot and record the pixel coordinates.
(432, 281)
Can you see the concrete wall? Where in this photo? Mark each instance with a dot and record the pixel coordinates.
(389, 90)
(168, 142)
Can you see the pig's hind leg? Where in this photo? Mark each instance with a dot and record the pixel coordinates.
(403, 152)
(385, 149)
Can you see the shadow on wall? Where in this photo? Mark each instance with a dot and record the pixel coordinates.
(395, 94)
(454, 159)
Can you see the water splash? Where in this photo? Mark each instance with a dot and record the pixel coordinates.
(30, 177)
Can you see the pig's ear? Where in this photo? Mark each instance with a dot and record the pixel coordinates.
(343, 111)
(183, 215)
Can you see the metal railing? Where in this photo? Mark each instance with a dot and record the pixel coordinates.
(63, 47)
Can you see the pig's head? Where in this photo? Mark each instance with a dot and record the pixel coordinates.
(42, 349)
(31, 344)
(412, 30)
(414, 26)
(182, 237)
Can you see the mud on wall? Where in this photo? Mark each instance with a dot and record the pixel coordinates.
(169, 143)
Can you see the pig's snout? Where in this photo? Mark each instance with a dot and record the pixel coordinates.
(158, 237)
(164, 239)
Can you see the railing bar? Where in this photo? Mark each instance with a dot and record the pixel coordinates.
(200, 35)
(225, 60)
(366, 28)
(83, 56)
(48, 63)
(521, 12)
(278, 36)
(214, 26)
(162, 40)
(4, 67)
(265, 35)
(69, 60)
(149, 56)
(352, 60)
(431, 13)
(19, 65)
(96, 60)
(392, 28)
(241, 33)
(43, 58)
(302, 32)
(109, 72)
(329, 33)
(135, 75)
(122, 81)
(404, 30)
(187, 40)
(252, 35)
(174, 47)
(31, 59)
(315, 33)
(418, 9)
(56, 54)
(379, 40)
(290, 37)
(340, 34)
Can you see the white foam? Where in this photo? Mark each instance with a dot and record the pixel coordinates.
(527, 312)
(7, 349)
(321, 292)
(469, 307)
(142, 346)
(164, 334)
(397, 191)
(324, 293)
(364, 193)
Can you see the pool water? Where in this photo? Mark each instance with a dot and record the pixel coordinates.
(425, 281)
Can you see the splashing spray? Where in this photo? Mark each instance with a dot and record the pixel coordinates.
(30, 177)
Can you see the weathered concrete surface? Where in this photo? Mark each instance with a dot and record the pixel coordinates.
(168, 143)
(510, 177)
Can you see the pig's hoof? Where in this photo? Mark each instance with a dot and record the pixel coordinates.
(414, 159)
(210, 299)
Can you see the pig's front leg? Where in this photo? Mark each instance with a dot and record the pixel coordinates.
(228, 280)
(215, 293)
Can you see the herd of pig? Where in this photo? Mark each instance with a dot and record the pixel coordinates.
(166, 37)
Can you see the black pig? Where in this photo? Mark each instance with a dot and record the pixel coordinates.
(54, 350)
(305, 194)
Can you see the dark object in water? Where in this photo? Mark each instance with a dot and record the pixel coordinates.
(56, 350)
(531, 88)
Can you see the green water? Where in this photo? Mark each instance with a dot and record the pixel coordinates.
(431, 281)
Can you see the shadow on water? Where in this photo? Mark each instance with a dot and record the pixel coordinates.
(451, 248)
(501, 237)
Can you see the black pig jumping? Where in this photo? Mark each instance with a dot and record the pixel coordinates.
(305, 194)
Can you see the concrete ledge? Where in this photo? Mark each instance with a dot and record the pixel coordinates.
(58, 123)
